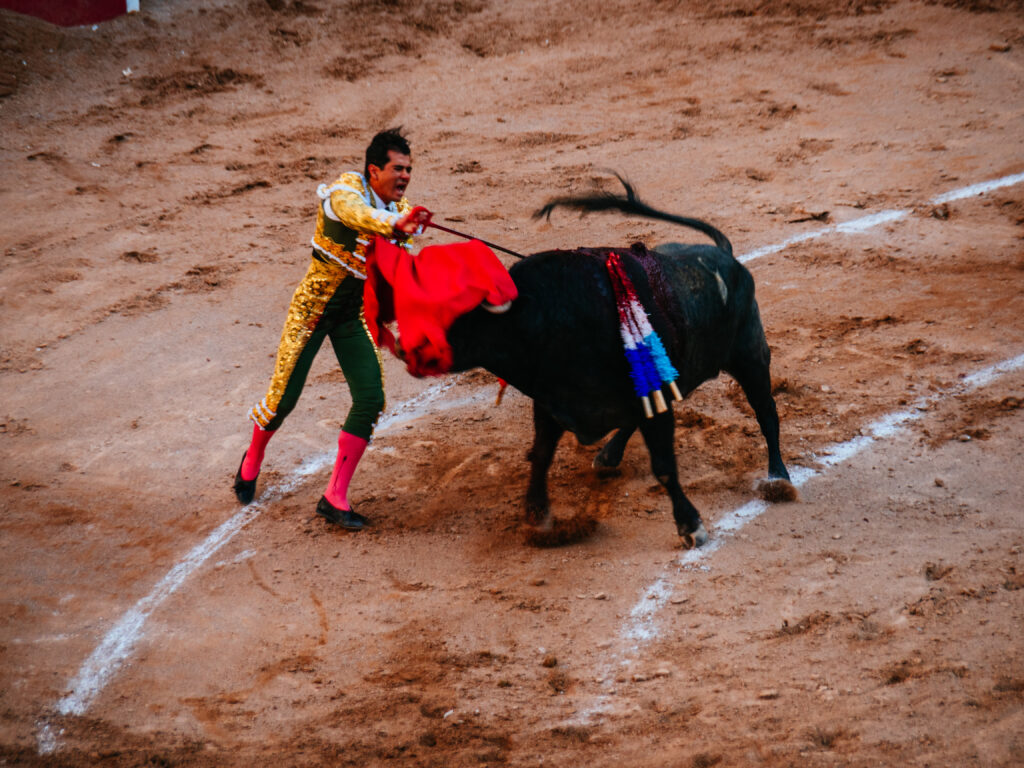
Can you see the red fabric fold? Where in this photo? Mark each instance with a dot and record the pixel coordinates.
(425, 294)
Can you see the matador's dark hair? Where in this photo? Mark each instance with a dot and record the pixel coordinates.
(390, 140)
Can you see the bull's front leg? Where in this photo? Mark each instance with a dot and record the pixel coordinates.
(659, 434)
(546, 434)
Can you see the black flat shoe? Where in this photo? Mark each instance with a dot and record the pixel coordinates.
(348, 519)
(245, 490)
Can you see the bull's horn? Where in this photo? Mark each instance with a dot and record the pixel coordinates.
(497, 309)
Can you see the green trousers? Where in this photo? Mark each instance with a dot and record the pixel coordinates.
(328, 303)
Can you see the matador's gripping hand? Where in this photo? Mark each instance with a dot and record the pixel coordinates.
(414, 221)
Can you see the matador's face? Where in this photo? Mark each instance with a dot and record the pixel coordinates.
(391, 181)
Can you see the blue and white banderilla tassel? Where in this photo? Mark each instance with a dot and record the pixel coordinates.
(649, 366)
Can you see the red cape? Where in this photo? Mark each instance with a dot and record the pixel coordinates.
(425, 294)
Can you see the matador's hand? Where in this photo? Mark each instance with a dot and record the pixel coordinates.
(413, 221)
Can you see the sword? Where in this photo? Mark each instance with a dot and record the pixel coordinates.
(473, 237)
(423, 217)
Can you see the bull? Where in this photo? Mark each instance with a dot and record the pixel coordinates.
(559, 344)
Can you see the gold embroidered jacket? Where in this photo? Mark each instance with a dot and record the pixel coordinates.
(348, 216)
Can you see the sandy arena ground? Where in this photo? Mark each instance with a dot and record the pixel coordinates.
(158, 177)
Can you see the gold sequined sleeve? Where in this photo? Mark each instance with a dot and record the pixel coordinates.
(404, 206)
(350, 207)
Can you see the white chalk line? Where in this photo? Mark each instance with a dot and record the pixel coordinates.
(865, 223)
(119, 642)
(642, 625)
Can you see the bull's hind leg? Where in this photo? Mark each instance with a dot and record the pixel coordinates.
(546, 434)
(610, 456)
(757, 387)
(659, 434)
(752, 372)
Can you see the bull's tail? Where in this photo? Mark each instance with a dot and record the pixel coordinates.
(629, 203)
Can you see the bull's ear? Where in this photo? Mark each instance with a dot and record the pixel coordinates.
(497, 309)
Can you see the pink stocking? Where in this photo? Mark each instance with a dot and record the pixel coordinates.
(350, 450)
(254, 456)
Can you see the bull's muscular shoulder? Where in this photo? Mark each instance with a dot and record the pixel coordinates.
(560, 344)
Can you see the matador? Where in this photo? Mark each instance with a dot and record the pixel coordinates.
(328, 303)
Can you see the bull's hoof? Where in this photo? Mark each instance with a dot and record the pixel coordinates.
(692, 539)
(605, 464)
(775, 489)
(537, 515)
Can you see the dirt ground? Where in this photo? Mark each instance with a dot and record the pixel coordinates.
(158, 177)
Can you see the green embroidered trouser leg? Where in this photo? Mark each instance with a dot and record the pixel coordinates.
(339, 318)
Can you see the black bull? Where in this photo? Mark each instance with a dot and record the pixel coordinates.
(559, 344)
